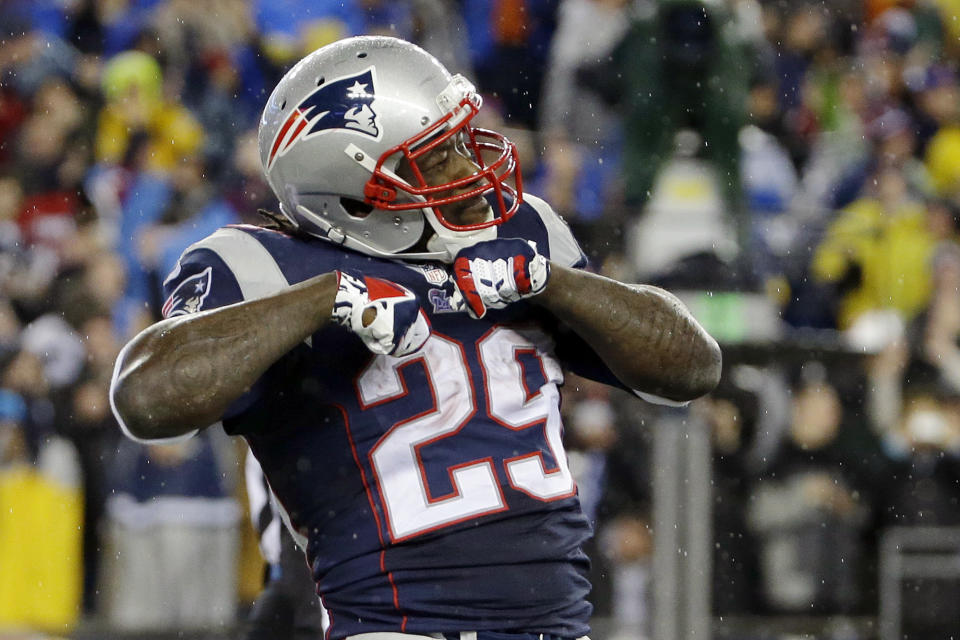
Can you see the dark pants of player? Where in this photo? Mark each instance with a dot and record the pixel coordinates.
(288, 607)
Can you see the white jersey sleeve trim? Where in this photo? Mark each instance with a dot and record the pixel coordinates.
(116, 414)
(257, 274)
(298, 538)
(652, 399)
(564, 248)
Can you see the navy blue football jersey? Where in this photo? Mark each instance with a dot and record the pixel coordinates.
(431, 492)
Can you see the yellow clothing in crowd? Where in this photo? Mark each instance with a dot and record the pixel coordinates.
(949, 10)
(892, 250)
(172, 134)
(40, 551)
(943, 161)
(133, 88)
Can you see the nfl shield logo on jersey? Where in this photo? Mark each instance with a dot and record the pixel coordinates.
(189, 296)
(433, 275)
(342, 104)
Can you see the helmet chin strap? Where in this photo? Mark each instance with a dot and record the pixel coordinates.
(442, 247)
(451, 242)
(333, 234)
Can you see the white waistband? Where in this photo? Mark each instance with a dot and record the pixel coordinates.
(390, 635)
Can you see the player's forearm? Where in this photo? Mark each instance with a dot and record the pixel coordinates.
(644, 334)
(182, 373)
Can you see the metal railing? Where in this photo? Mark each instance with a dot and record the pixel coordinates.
(913, 553)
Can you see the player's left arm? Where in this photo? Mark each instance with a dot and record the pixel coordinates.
(645, 335)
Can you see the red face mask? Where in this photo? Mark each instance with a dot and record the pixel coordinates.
(383, 187)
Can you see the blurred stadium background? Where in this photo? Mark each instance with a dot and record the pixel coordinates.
(790, 168)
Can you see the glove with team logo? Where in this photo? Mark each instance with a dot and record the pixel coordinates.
(385, 315)
(494, 273)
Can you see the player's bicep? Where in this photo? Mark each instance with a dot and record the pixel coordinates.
(202, 281)
(575, 354)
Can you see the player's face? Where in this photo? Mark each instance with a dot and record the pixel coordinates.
(445, 163)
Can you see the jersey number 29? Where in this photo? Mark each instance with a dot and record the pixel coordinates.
(411, 509)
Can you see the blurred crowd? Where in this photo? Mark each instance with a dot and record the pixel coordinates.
(804, 156)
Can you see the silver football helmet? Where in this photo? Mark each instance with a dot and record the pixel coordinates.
(339, 123)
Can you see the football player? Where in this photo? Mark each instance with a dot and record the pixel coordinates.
(392, 352)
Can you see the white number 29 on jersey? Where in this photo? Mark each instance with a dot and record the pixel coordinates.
(411, 509)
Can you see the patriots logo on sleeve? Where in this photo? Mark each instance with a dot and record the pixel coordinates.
(342, 104)
(188, 297)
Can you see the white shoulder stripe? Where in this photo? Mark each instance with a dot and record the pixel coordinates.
(564, 248)
(257, 274)
(256, 271)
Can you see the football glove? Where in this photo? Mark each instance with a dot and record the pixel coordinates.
(398, 326)
(494, 273)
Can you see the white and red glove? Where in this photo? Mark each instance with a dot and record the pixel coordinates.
(400, 326)
(492, 274)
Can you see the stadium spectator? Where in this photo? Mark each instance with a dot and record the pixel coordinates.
(91, 429)
(808, 512)
(135, 104)
(681, 64)
(510, 44)
(877, 251)
(581, 132)
(41, 505)
(194, 208)
(609, 437)
(170, 511)
(731, 414)
(938, 100)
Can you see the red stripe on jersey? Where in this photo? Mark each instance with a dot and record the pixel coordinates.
(373, 510)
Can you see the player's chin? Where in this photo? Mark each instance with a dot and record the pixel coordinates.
(473, 211)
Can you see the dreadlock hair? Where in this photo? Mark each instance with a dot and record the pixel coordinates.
(279, 222)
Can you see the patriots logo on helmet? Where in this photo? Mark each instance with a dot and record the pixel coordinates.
(189, 296)
(342, 104)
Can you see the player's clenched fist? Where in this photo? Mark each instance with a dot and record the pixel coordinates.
(385, 315)
(492, 274)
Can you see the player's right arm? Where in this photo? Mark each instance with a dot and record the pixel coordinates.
(182, 373)
(230, 314)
